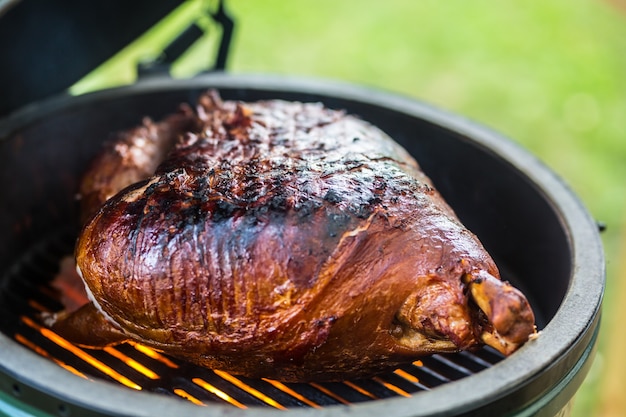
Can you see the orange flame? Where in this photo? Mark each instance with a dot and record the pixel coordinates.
(132, 363)
(407, 376)
(151, 353)
(284, 388)
(218, 392)
(42, 352)
(360, 389)
(392, 387)
(50, 335)
(329, 393)
(247, 388)
(184, 394)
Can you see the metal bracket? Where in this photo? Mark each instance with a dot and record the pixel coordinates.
(175, 49)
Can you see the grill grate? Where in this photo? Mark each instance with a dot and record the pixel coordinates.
(27, 292)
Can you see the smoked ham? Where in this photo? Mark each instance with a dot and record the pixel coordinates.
(283, 240)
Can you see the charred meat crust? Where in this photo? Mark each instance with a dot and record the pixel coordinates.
(284, 240)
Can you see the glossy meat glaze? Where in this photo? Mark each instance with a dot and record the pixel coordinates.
(283, 240)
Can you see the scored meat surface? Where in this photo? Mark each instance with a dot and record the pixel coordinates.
(283, 240)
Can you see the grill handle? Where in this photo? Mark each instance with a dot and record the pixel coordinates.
(185, 40)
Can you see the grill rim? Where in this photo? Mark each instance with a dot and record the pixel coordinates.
(575, 322)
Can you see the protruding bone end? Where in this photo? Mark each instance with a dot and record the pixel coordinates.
(507, 310)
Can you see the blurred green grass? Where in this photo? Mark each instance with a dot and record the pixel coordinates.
(549, 75)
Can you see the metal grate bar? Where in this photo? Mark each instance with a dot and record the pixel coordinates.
(457, 368)
(430, 377)
(284, 388)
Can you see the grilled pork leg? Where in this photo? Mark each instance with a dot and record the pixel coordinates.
(290, 241)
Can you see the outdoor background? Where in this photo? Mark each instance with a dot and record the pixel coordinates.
(551, 75)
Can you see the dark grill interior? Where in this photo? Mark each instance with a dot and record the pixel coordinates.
(27, 292)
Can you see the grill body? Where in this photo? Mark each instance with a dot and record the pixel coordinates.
(537, 231)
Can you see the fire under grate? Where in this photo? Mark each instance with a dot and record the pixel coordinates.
(28, 291)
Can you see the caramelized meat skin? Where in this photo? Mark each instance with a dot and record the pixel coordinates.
(290, 241)
(131, 157)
